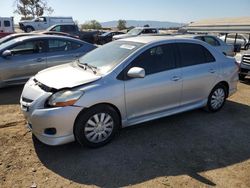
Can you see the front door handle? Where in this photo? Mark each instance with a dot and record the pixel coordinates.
(175, 78)
(40, 59)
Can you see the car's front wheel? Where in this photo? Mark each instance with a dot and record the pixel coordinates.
(217, 98)
(97, 126)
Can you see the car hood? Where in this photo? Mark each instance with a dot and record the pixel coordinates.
(66, 76)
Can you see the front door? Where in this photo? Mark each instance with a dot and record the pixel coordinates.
(159, 90)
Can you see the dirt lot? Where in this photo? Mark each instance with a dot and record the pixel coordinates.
(193, 149)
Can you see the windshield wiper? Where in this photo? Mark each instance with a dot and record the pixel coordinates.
(86, 65)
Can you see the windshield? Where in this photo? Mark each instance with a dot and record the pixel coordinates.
(8, 43)
(135, 31)
(105, 34)
(108, 56)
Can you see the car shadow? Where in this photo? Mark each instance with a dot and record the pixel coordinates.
(246, 81)
(187, 143)
(10, 95)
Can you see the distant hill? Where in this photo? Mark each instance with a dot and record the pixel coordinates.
(137, 23)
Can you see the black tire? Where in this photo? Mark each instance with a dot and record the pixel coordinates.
(242, 77)
(81, 126)
(211, 101)
(29, 29)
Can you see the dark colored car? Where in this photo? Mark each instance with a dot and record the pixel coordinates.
(107, 37)
(72, 29)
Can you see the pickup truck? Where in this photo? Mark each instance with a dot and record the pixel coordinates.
(137, 31)
(43, 22)
(72, 29)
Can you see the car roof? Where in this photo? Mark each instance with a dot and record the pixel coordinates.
(194, 35)
(43, 36)
(152, 39)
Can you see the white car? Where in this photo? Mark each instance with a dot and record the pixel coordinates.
(243, 40)
(136, 32)
(216, 42)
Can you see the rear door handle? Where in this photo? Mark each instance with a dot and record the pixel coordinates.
(212, 71)
(175, 78)
(40, 59)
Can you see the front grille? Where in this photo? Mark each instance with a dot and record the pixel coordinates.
(246, 59)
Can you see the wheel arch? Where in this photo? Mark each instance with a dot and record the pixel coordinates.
(224, 83)
(101, 104)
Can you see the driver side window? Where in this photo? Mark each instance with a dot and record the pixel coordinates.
(29, 47)
(156, 59)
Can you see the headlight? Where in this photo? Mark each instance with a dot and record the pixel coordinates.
(64, 98)
(238, 58)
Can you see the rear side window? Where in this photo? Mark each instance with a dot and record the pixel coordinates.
(194, 54)
(6, 23)
(212, 41)
(156, 59)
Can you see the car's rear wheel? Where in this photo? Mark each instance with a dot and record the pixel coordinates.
(97, 126)
(217, 98)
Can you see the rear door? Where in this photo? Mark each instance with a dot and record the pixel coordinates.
(61, 51)
(199, 72)
(159, 90)
(28, 58)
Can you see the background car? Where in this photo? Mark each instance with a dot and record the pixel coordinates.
(107, 37)
(23, 57)
(216, 42)
(124, 83)
(73, 30)
(137, 31)
(241, 39)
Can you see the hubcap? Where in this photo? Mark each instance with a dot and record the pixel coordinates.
(218, 98)
(99, 127)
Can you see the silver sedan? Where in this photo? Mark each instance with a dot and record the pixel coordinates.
(124, 83)
(23, 57)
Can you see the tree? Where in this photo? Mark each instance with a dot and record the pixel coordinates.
(93, 24)
(32, 8)
(146, 25)
(121, 24)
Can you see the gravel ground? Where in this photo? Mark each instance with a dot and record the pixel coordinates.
(192, 149)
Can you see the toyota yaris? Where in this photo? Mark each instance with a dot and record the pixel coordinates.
(123, 83)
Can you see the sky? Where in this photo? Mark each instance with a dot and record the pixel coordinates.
(182, 11)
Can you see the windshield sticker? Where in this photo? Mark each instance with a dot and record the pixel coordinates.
(127, 46)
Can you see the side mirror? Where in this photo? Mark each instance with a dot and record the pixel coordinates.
(136, 72)
(6, 53)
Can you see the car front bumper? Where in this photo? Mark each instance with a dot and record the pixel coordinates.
(42, 119)
(61, 119)
(245, 69)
